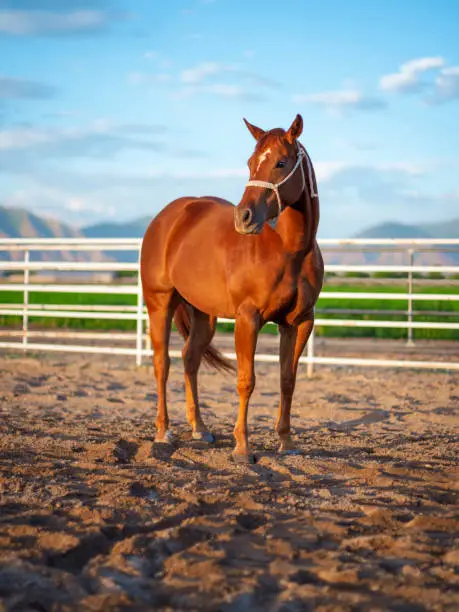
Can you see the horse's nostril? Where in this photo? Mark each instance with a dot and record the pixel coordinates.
(247, 216)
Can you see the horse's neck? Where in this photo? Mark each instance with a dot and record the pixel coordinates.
(298, 223)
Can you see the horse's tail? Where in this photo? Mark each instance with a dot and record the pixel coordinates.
(211, 355)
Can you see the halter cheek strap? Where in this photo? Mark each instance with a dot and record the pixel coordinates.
(302, 153)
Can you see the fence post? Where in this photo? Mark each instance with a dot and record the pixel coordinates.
(139, 336)
(310, 354)
(410, 341)
(25, 314)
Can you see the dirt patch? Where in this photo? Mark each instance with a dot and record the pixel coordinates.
(94, 516)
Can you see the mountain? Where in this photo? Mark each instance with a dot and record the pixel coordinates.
(20, 223)
(392, 229)
(443, 229)
(132, 229)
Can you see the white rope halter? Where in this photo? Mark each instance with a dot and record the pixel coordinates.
(302, 153)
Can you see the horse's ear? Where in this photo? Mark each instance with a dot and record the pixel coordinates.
(256, 132)
(295, 129)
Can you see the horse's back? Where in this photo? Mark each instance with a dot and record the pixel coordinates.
(172, 216)
(168, 229)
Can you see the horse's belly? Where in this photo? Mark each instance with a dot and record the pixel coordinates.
(206, 299)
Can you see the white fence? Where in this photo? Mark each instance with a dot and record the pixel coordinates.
(22, 262)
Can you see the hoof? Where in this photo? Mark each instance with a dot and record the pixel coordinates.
(288, 447)
(165, 438)
(203, 436)
(240, 458)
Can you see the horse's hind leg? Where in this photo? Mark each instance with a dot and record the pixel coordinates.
(161, 307)
(202, 329)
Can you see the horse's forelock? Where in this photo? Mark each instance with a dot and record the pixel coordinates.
(272, 138)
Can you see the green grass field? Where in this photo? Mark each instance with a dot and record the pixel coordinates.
(324, 304)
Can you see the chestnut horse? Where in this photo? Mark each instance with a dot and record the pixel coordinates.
(204, 258)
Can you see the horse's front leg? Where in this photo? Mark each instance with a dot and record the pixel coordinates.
(292, 343)
(246, 333)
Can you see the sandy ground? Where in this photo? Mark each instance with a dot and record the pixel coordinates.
(94, 516)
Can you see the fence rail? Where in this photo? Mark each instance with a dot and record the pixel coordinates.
(27, 311)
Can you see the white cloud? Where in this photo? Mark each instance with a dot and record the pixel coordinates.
(49, 199)
(23, 138)
(222, 80)
(446, 86)
(31, 150)
(202, 73)
(22, 23)
(201, 79)
(408, 78)
(422, 64)
(24, 148)
(326, 170)
(341, 101)
(222, 90)
(198, 74)
(405, 167)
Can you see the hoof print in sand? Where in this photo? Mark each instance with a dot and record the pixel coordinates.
(138, 489)
(125, 451)
(164, 448)
(250, 521)
(21, 389)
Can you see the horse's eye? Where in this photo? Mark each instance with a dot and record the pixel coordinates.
(281, 164)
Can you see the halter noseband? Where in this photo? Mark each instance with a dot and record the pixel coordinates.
(302, 153)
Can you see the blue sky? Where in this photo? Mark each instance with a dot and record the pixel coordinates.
(110, 109)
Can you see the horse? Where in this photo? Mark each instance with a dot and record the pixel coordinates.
(259, 261)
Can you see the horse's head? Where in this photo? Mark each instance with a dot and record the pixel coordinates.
(276, 176)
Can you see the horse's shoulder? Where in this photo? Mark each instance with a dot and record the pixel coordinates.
(193, 204)
(200, 209)
(216, 200)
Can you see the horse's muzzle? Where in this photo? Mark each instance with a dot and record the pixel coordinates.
(245, 221)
